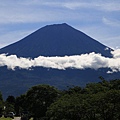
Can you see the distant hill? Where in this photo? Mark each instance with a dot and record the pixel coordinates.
(52, 40)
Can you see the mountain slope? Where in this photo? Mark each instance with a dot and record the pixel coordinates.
(52, 40)
(55, 40)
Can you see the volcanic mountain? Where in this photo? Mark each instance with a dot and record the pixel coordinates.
(51, 40)
(55, 40)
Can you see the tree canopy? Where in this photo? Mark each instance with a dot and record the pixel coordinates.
(39, 98)
(96, 101)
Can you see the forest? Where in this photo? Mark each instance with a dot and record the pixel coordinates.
(96, 101)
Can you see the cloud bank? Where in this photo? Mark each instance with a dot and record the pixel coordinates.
(83, 61)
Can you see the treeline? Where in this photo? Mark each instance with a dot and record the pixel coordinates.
(96, 101)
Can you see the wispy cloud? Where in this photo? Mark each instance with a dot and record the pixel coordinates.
(99, 5)
(39, 11)
(91, 60)
(110, 5)
(113, 22)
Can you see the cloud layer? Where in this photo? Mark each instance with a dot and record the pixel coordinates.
(83, 61)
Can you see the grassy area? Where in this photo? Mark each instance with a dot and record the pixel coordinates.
(2, 118)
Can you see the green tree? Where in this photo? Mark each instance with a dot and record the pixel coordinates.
(115, 84)
(20, 104)
(97, 101)
(1, 103)
(72, 90)
(93, 88)
(111, 109)
(10, 99)
(69, 107)
(39, 99)
(10, 104)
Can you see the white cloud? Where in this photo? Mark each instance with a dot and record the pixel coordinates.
(12, 61)
(83, 61)
(115, 23)
(30, 11)
(99, 5)
(116, 53)
(110, 6)
(28, 14)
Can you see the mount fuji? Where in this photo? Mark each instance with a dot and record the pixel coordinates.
(51, 41)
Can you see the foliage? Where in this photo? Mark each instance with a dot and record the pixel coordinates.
(68, 107)
(97, 101)
(10, 99)
(20, 104)
(1, 103)
(39, 98)
(71, 90)
(9, 104)
(1, 99)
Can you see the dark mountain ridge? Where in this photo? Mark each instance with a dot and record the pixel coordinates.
(52, 40)
(55, 40)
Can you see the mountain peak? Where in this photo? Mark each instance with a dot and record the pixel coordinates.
(51, 40)
(56, 40)
(62, 24)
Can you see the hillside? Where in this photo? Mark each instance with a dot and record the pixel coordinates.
(55, 40)
(52, 40)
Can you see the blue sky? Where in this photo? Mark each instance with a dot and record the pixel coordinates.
(99, 19)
